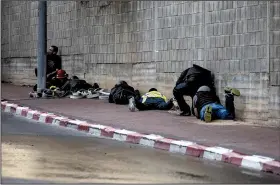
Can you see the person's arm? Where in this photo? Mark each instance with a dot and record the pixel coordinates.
(182, 76)
(51, 73)
(195, 112)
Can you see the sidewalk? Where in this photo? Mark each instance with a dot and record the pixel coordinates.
(229, 134)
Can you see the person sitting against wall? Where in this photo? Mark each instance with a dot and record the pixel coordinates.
(207, 105)
(53, 64)
(56, 83)
(188, 83)
(152, 100)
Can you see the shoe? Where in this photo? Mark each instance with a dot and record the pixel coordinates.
(131, 104)
(92, 94)
(103, 97)
(83, 92)
(233, 91)
(184, 113)
(208, 114)
(77, 95)
(175, 104)
(33, 95)
(47, 94)
(105, 92)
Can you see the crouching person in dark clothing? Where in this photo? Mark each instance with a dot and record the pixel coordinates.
(188, 83)
(59, 80)
(207, 105)
(153, 100)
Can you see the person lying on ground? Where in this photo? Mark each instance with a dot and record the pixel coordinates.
(152, 100)
(188, 83)
(207, 105)
(121, 93)
(53, 64)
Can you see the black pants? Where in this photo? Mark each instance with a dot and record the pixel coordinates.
(230, 104)
(179, 91)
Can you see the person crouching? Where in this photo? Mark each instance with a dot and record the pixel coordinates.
(60, 79)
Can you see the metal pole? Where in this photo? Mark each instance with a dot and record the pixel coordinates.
(41, 63)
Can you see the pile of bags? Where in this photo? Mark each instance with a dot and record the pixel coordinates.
(75, 88)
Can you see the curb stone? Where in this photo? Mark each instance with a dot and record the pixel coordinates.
(253, 162)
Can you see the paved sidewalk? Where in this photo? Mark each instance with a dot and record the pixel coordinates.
(228, 134)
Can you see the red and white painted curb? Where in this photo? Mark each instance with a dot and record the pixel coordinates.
(254, 162)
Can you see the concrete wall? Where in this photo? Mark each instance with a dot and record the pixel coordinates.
(150, 43)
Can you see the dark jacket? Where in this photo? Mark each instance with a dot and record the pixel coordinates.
(196, 77)
(53, 63)
(121, 93)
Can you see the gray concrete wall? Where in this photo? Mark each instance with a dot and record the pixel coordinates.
(150, 43)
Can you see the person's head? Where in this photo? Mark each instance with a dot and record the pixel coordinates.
(95, 86)
(61, 74)
(75, 77)
(53, 50)
(121, 83)
(152, 89)
(204, 88)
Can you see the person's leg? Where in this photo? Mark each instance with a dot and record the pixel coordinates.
(35, 88)
(141, 106)
(162, 105)
(137, 103)
(220, 112)
(137, 94)
(229, 98)
(179, 91)
(36, 72)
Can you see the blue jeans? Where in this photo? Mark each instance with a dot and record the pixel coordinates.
(153, 104)
(218, 112)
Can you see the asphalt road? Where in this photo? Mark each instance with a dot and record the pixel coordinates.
(39, 153)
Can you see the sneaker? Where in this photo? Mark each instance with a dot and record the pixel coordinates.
(47, 94)
(92, 94)
(208, 114)
(105, 92)
(83, 92)
(33, 95)
(103, 97)
(183, 113)
(233, 91)
(77, 95)
(131, 104)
